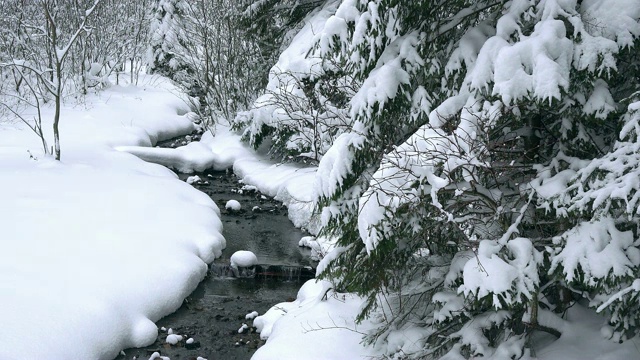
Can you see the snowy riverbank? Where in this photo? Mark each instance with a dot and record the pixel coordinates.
(98, 246)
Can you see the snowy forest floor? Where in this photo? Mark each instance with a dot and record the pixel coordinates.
(99, 246)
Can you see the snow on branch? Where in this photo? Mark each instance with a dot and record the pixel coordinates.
(61, 52)
(595, 252)
(634, 288)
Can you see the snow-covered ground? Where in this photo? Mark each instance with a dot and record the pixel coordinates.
(98, 246)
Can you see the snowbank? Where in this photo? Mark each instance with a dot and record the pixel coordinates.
(186, 159)
(292, 184)
(289, 183)
(303, 329)
(97, 247)
(583, 337)
(119, 116)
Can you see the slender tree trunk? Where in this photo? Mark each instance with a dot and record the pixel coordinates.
(58, 99)
(56, 116)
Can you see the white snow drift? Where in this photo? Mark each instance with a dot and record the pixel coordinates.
(98, 246)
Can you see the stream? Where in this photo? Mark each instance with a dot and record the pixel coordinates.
(213, 314)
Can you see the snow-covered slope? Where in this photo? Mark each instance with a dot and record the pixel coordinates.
(98, 246)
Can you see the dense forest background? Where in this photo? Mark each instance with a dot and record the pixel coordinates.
(478, 161)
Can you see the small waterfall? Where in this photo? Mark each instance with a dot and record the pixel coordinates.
(226, 271)
(284, 272)
(264, 272)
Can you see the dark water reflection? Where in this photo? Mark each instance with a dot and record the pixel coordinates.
(261, 226)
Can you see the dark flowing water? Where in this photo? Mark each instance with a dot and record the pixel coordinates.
(215, 311)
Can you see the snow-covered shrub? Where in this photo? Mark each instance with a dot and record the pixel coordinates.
(203, 46)
(272, 24)
(42, 51)
(300, 117)
(304, 107)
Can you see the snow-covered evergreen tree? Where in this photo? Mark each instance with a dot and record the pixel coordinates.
(167, 37)
(271, 23)
(488, 178)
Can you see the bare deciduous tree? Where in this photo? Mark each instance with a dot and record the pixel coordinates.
(50, 49)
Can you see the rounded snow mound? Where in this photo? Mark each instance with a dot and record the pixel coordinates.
(233, 205)
(243, 258)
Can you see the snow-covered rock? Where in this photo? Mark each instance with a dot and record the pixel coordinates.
(173, 339)
(249, 188)
(156, 356)
(193, 179)
(233, 205)
(243, 258)
(252, 315)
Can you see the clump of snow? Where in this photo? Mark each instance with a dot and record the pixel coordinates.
(190, 341)
(307, 241)
(233, 205)
(193, 179)
(243, 258)
(249, 188)
(488, 274)
(290, 326)
(384, 82)
(606, 331)
(319, 246)
(173, 339)
(252, 315)
(156, 355)
(243, 328)
(599, 249)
